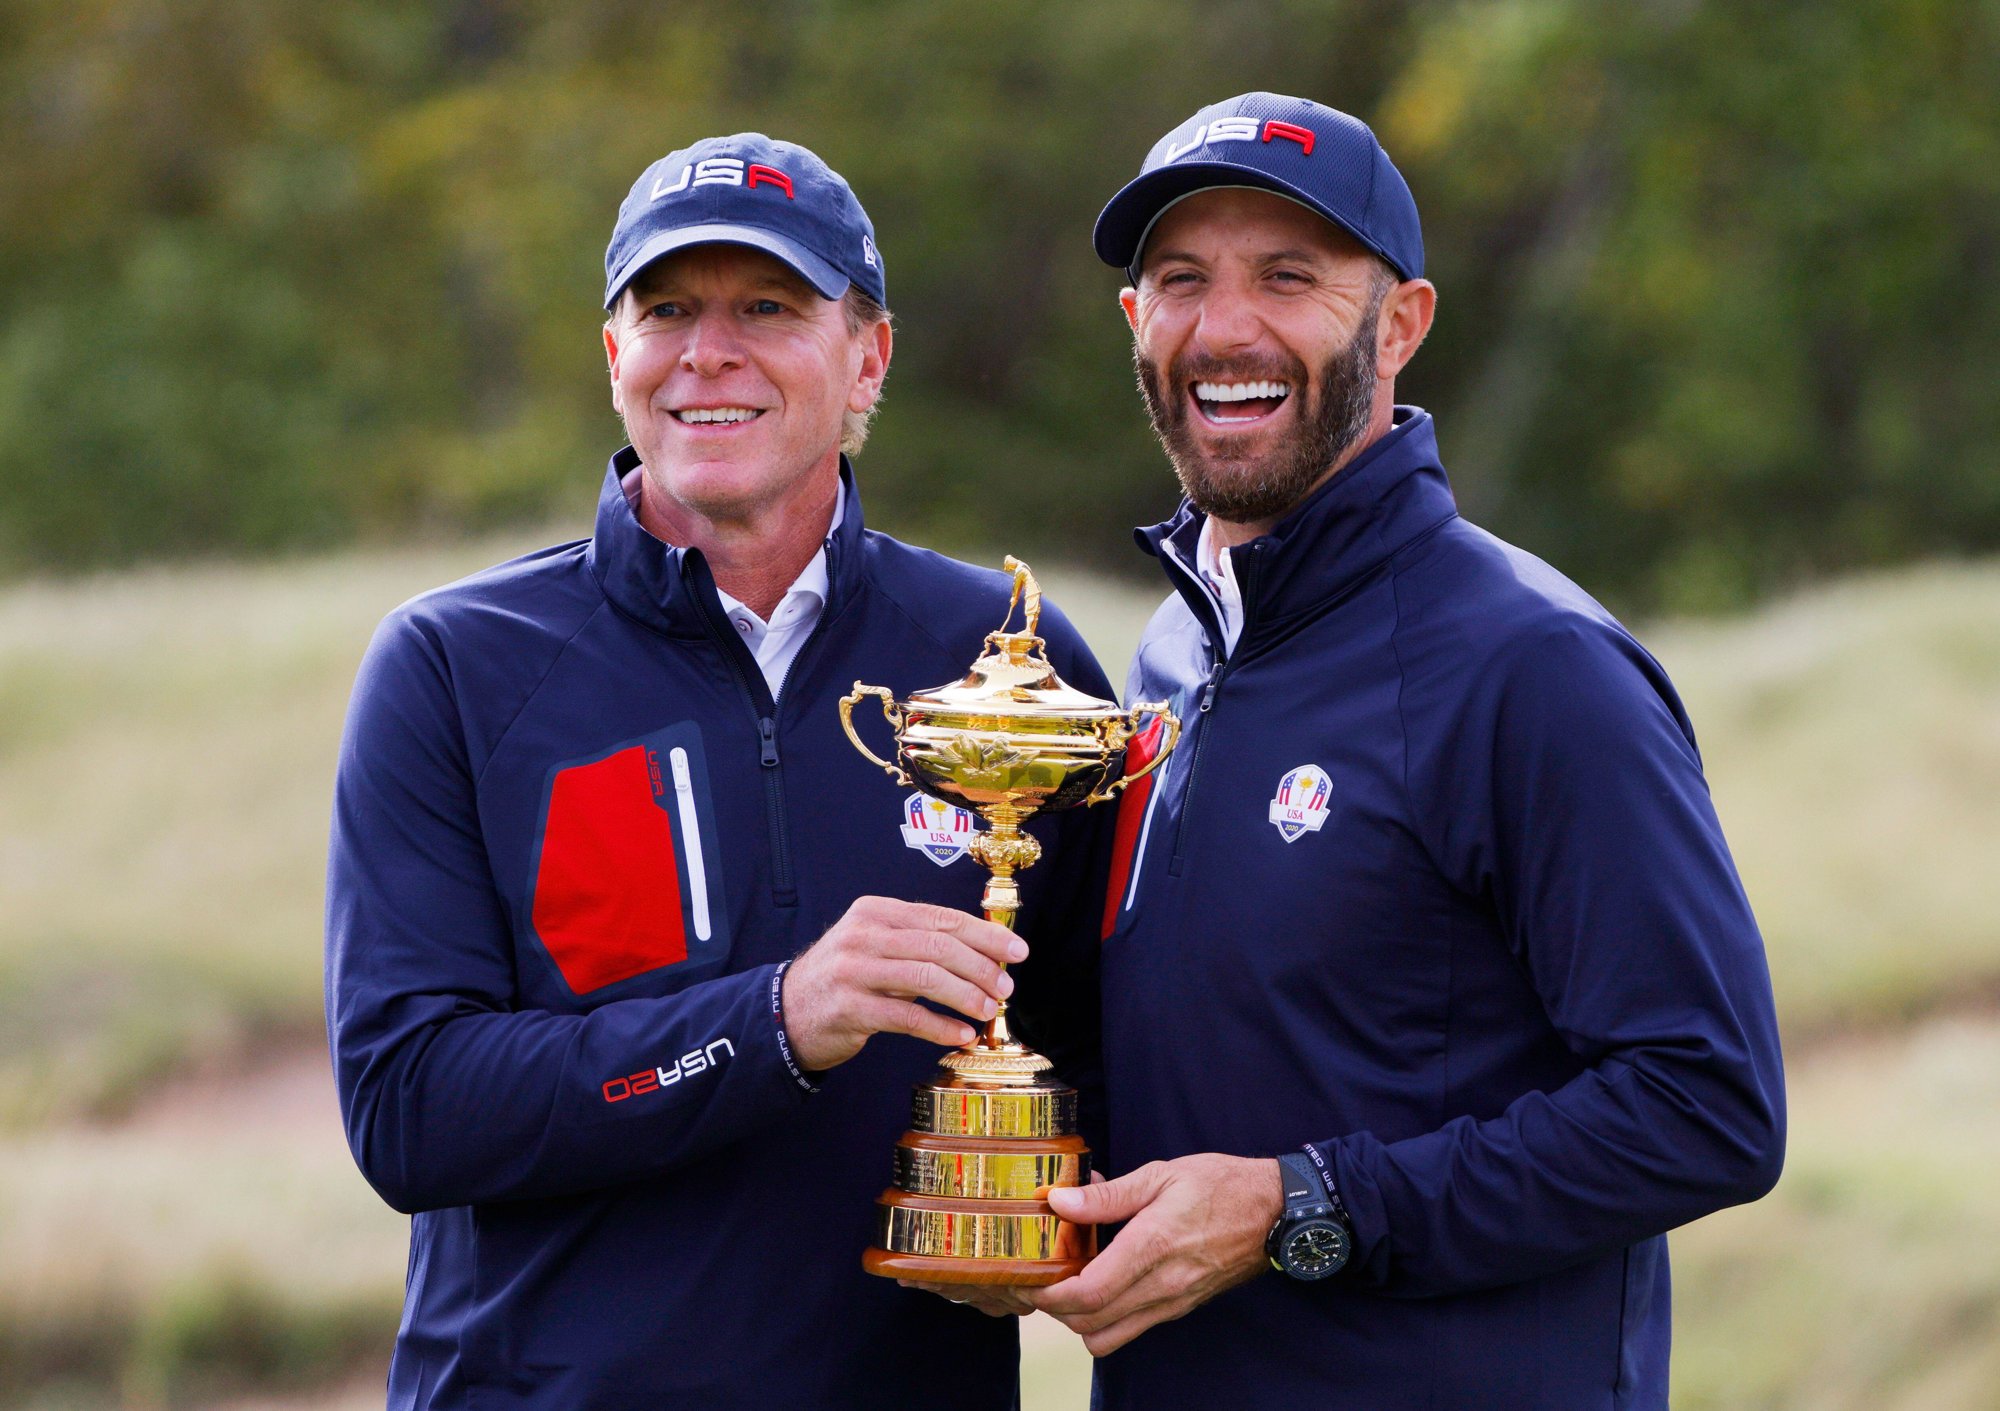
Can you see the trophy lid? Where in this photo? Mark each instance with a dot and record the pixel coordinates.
(1013, 676)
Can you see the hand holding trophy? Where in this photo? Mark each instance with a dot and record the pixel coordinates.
(993, 1130)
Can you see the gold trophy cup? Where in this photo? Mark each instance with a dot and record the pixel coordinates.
(993, 1130)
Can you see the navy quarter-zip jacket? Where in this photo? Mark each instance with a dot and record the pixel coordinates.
(574, 841)
(1432, 884)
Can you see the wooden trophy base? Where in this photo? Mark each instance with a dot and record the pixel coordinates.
(935, 1269)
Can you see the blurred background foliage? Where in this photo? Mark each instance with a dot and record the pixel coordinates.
(1717, 279)
(317, 284)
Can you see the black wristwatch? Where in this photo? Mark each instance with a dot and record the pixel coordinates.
(1312, 1238)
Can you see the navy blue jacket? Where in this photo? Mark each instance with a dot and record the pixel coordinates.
(573, 842)
(1433, 884)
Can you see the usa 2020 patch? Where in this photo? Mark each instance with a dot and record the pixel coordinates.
(940, 831)
(1300, 806)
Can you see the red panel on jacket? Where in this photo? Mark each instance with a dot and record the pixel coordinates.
(608, 891)
(1131, 813)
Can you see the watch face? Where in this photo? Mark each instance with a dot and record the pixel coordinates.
(1316, 1249)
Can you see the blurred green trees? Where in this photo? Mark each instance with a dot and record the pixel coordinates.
(1717, 279)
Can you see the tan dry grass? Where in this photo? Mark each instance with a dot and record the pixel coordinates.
(1852, 740)
(219, 1237)
(166, 745)
(1861, 1284)
(246, 1173)
(1866, 1281)
(243, 1182)
(166, 742)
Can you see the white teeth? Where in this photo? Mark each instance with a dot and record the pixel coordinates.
(1240, 391)
(696, 415)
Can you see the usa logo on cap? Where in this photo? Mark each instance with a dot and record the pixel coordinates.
(754, 191)
(940, 831)
(1326, 160)
(1300, 806)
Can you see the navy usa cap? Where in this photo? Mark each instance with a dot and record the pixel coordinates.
(749, 190)
(1323, 159)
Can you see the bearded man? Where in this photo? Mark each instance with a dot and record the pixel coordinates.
(1431, 997)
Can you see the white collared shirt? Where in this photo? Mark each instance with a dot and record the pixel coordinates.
(1218, 576)
(774, 643)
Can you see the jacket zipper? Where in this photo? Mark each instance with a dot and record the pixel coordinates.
(1215, 675)
(1198, 599)
(756, 691)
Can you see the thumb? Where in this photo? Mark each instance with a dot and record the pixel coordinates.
(1104, 1202)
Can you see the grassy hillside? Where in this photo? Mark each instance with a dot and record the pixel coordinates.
(1852, 738)
(177, 1214)
(167, 743)
(1865, 1282)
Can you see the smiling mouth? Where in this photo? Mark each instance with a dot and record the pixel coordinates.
(1238, 403)
(717, 416)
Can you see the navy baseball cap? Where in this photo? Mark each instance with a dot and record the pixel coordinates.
(749, 190)
(1325, 160)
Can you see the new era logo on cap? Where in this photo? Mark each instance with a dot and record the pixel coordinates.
(754, 191)
(1323, 159)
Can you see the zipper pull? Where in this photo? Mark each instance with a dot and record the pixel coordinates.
(1208, 691)
(767, 735)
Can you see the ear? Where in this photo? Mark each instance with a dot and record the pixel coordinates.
(877, 341)
(1128, 300)
(611, 362)
(1407, 312)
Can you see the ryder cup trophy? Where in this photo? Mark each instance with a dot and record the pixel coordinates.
(992, 1129)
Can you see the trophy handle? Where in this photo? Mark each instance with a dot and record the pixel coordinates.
(894, 714)
(1173, 737)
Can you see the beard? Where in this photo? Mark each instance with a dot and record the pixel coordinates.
(1245, 487)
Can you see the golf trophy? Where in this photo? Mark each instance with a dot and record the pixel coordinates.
(992, 1129)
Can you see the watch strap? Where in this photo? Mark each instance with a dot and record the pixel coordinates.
(1303, 1186)
(1324, 1169)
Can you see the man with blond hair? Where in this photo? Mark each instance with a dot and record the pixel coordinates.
(631, 959)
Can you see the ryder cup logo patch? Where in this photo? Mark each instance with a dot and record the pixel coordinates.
(1300, 806)
(940, 831)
